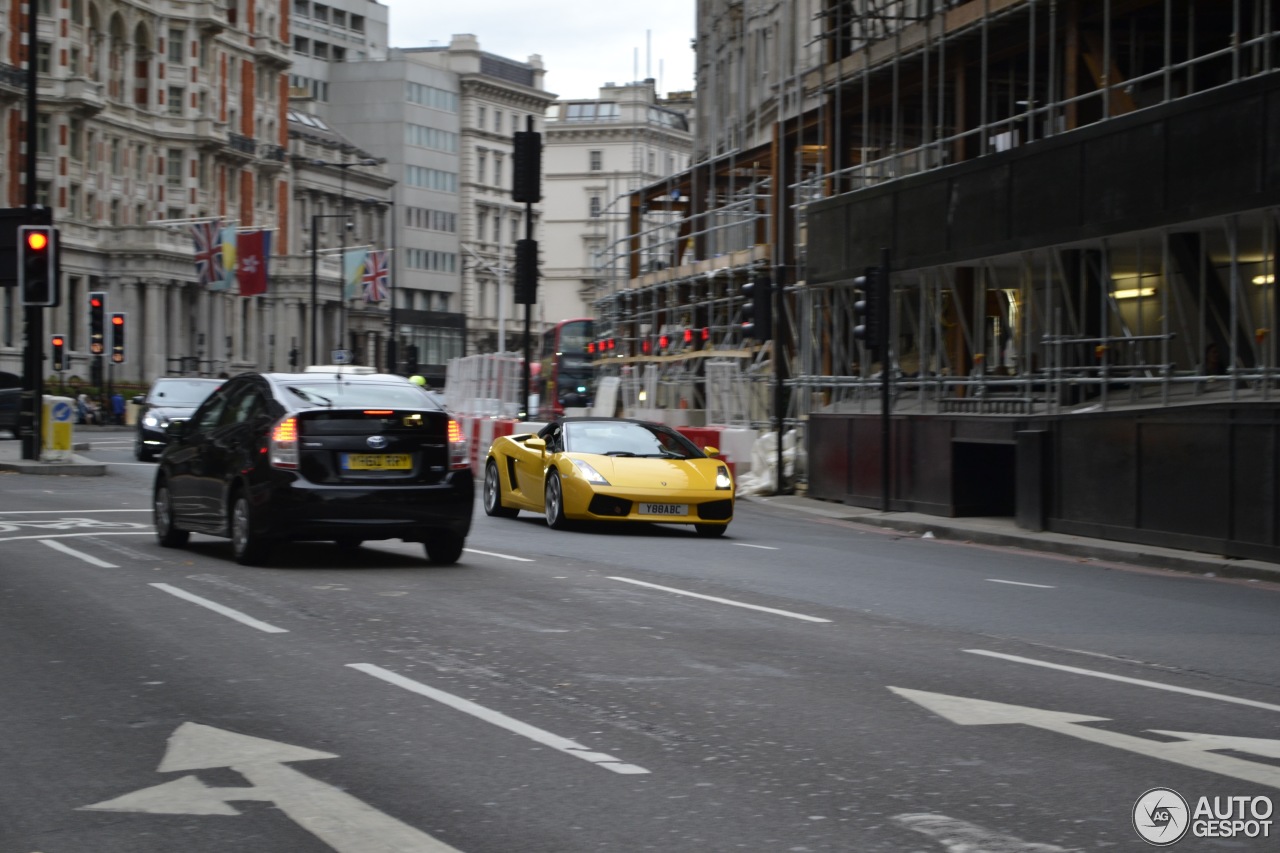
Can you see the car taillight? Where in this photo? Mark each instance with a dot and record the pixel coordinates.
(284, 444)
(457, 447)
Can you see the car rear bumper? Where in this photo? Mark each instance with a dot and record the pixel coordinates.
(299, 510)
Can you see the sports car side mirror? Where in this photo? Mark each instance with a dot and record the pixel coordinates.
(713, 452)
(538, 444)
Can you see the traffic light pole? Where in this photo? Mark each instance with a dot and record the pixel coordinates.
(886, 370)
(33, 315)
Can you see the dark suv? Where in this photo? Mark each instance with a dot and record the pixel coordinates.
(170, 399)
(273, 457)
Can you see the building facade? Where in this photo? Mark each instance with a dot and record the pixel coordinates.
(497, 98)
(597, 152)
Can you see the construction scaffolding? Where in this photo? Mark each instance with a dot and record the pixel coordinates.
(816, 100)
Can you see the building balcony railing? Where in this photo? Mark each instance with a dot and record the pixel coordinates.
(271, 52)
(243, 146)
(210, 15)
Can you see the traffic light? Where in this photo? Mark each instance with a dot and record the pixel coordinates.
(757, 309)
(869, 311)
(38, 264)
(59, 343)
(293, 356)
(97, 322)
(526, 168)
(117, 338)
(411, 359)
(526, 272)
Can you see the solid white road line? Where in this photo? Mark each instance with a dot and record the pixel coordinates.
(961, 836)
(1221, 697)
(1020, 583)
(546, 738)
(761, 547)
(728, 601)
(58, 546)
(72, 535)
(66, 511)
(499, 556)
(218, 608)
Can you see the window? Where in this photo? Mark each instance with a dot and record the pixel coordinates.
(91, 150)
(497, 121)
(76, 141)
(175, 45)
(42, 134)
(44, 57)
(482, 165)
(175, 159)
(175, 97)
(76, 62)
(595, 206)
(497, 168)
(44, 192)
(140, 162)
(116, 164)
(596, 159)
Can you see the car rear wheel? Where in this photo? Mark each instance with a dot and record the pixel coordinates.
(493, 494)
(348, 543)
(710, 531)
(444, 549)
(247, 545)
(555, 503)
(166, 534)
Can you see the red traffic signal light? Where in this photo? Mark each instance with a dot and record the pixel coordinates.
(97, 322)
(117, 338)
(59, 352)
(38, 265)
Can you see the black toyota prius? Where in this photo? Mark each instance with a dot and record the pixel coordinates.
(274, 457)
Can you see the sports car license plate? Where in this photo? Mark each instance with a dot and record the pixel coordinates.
(664, 509)
(376, 462)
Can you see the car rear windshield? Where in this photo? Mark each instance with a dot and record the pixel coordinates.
(623, 438)
(180, 392)
(347, 394)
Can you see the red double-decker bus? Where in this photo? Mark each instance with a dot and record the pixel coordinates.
(565, 376)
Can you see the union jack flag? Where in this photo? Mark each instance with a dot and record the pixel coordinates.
(208, 240)
(377, 278)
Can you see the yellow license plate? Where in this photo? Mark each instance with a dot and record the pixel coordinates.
(376, 461)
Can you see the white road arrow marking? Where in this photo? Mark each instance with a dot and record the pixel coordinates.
(1192, 751)
(960, 836)
(335, 817)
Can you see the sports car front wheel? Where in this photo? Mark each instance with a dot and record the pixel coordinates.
(555, 503)
(710, 530)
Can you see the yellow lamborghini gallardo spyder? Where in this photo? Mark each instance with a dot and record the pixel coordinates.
(609, 469)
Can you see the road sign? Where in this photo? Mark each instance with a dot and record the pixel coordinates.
(341, 821)
(1191, 750)
(341, 356)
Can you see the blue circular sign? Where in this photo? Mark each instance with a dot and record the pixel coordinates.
(61, 411)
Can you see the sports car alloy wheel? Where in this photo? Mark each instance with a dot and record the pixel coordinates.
(493, 494)
(248, 547)
(555, 503)
(166, 535)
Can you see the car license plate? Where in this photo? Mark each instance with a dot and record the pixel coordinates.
(664, 509)
(376, 462)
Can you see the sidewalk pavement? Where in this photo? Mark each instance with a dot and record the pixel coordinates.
(1002, 531)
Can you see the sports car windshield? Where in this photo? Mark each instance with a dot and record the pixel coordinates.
(622, 438)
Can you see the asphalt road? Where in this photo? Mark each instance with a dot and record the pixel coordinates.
(800, 685)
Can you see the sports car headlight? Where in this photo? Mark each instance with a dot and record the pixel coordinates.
(591, 474)
(723, 480)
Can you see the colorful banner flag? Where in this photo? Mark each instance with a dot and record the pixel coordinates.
(228, 238)
(253, 250)
(209, 262)
(352, 273)
(377, 278)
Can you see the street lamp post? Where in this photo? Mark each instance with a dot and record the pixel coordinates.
(315, 307)
(341, 166)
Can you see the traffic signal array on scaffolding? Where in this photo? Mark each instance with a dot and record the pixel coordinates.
(526, 272)
(59, 344)
(97, 322)
(870, 310)
(38, 264)
(757, 308)
(117, 339)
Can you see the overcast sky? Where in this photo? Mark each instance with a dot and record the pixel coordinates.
(583, 43)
